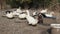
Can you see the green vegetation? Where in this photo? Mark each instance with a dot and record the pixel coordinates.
(29, 3)
(59, 1)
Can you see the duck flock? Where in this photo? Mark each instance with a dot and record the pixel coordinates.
(25, 14)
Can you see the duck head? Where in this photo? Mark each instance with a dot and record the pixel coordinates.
(8, 12)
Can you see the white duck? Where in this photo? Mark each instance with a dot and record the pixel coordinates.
(50, 15)
(15, 13)
(30, 19)
(44, 11)
(19, 10)
(34, 13)
(9, 14)
(22, 15)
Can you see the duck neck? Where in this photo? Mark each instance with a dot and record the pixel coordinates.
(28, 13)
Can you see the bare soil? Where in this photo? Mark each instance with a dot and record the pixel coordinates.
(17, 26)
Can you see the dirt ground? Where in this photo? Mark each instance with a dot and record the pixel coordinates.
(17, 26)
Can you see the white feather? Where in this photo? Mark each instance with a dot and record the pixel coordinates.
(9, 15)
(50, 15)
(16, 13)
(19, 10)
(44, 11)
(30, 19)
(22, 16)
(34, 13)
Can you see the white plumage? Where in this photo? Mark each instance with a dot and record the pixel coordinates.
(50, 15)
(34, 13)
(22, 16)
(30, 19)
(20, 13)
(15, 13)
(44, 11)
(9, 15)
(19, 10)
